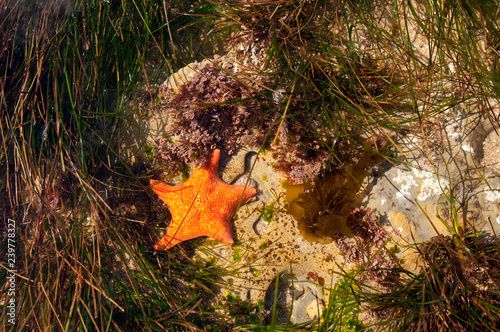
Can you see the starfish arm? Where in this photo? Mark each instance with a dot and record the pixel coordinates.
(161, 189)
(228, 198)
(217, 221)
(224, 235)
(248, 193)
(239, 192)
(183, 227)
(212, 163)
(166, 243)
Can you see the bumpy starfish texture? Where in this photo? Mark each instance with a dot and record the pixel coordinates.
(202, 206)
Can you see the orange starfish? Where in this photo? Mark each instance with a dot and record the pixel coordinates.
(202, 206)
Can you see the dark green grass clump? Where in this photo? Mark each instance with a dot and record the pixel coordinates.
(457, 288)
(66, 72)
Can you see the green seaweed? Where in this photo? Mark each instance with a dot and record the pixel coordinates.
(322, 207)
(268, 211)
(150, 150)
(255, 272)
(237, 255)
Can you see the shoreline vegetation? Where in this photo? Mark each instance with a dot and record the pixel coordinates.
(314, 84)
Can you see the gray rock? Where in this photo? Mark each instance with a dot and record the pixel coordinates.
(298, 299)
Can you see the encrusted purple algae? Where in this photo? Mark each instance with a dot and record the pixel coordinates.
(214, 109)
(218, 108)
(366, 248)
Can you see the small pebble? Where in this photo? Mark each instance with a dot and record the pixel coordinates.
(242, 180)
(278, 95)
(260, 227)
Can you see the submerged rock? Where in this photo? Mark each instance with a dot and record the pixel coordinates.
(296, 293)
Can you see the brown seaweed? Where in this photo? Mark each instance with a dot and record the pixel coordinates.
(322, 207)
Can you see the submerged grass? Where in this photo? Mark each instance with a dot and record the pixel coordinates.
(67, 72)
(356, 70)
(343, 307)
(345, 71)
(456, 289)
